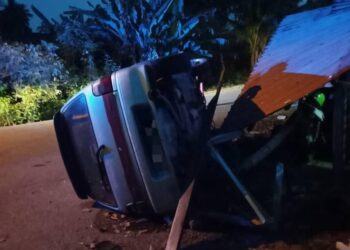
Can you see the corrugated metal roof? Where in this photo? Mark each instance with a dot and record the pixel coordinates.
(340, 5)
(308, 50)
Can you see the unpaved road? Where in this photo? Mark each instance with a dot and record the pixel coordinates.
(38, 207)
(40, 211)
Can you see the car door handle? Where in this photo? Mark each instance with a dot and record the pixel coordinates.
(102, 150)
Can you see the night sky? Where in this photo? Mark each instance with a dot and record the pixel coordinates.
(53, 8)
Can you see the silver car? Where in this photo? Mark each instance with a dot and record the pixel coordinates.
(126, 138)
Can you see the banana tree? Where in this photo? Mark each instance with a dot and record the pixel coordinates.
(147, 29)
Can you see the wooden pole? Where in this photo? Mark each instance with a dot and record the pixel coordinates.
(179, 219)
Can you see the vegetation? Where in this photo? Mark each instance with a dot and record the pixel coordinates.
(25, 63)
(37, 68)
(129, 31)
(149, 29)
(14, 22)
(33, 103)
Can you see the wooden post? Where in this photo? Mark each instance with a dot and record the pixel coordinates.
(179, 219)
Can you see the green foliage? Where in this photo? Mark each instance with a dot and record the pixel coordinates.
(6, 111)
(33, 103)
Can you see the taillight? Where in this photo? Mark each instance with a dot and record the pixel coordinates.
(102, 86)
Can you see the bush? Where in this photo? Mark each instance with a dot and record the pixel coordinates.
(31, 83)
(34, 103)
(6, 111)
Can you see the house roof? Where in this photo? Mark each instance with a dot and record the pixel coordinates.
(307, 50)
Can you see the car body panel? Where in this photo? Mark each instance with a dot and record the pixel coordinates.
(104, 136)
(132, 88)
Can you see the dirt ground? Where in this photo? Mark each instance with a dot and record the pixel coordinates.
(39, 210)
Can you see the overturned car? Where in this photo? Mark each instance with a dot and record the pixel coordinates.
(126, 138)
(134, 140)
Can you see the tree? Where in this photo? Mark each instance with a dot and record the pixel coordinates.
(14, 22)
(80, 43)
(147, 29)
(126, 32)
(252, 22)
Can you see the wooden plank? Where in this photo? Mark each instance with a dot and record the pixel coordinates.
(179, 219)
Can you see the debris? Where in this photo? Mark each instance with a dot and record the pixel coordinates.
(281, 117)
(113, 216)
(256, 222)
(126, 224)
(92, 245)
(142, 232)
(341, 246)
(86, 210)
(127, 234)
